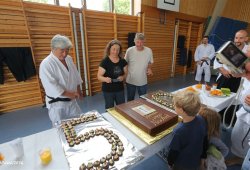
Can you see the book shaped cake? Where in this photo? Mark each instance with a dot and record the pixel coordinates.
(147, 116)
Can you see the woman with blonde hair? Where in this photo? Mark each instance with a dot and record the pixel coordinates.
(217, 150)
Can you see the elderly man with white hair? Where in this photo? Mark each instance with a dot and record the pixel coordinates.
(61, 81)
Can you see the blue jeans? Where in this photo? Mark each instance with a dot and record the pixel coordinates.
(113, 97)
(131, 91)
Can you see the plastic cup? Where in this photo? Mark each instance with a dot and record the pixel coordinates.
(203, 87)
(45, 156)
(1, 157)
(214, 86)
(17, 146)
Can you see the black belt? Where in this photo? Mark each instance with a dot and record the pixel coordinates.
(218, 60)
(242, 142)
(202, 61)
(58, 99)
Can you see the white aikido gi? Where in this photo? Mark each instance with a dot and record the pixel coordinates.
(200, 52)
(56, 79)
(241, 131)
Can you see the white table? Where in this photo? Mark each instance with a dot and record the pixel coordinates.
(49, 138)
(31, 145)
(218, 103)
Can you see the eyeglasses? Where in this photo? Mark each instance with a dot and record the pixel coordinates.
(64, 50)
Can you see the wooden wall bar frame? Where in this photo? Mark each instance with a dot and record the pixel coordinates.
(32, 52)
(115, 26)
(86, 50)
(72, 34)
(175, 48)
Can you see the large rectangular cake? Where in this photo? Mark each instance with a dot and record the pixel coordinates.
(147, 116)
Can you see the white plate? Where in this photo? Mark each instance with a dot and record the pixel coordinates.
(221, 96)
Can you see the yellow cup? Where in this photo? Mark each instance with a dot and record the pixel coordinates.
(45, 156)
(1, 157)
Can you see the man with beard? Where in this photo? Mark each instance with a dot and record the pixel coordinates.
(225, 79)
(203, 54)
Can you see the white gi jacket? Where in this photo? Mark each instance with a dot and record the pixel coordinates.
(200, 52)
(56, 79)
(242, 113)
(240, 134)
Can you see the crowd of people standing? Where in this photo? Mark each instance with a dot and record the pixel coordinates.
(199, 131)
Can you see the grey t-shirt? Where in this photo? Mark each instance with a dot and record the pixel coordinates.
(137, 65)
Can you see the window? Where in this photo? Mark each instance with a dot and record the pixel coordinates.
(42, 1)
(123, 7)
(73, 3)
(117, 6)
(99, 5)
(120, 6)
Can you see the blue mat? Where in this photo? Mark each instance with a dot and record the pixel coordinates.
(224, 30)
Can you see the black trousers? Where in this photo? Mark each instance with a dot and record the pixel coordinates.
(233, 84)
(20, 62)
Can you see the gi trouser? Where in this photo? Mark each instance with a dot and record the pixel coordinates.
(59, 111)
(240, 138)
(200, 67)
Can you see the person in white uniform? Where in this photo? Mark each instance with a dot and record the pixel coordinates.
(246, 163)
(241, 131)
(203, 54)
(140, 60)
(61, 81)
(225, 79)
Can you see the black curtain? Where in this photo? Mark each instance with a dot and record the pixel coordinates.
(131, 37)
(181, 41)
